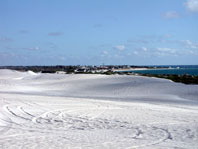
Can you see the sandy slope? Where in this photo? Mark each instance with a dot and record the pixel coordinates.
(96, 111)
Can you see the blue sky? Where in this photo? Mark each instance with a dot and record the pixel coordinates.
(87, 32)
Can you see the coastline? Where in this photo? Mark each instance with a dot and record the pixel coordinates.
(139, 69)
(130, 69)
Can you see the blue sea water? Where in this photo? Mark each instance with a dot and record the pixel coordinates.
(176, 69)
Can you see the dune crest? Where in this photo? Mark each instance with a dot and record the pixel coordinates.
(96, 111)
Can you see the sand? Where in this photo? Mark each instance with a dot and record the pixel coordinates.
(96, 111)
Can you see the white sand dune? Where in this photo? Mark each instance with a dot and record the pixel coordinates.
(96, 111)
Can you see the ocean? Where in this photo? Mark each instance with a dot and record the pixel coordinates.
(171, 69)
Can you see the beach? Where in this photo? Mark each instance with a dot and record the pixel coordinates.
(96, 111)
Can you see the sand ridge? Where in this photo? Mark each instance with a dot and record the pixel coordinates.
(96, 111)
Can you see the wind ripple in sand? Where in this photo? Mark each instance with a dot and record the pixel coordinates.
(36, 120)
(57, 127)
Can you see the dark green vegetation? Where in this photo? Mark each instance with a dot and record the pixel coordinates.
(43, 69)
(186, 79)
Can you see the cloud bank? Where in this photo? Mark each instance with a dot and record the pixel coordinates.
(192, 5)
(171, 15)
(119, 47)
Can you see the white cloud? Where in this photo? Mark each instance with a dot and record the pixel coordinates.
(117, 56)
(32, 49)
(192, 5)
(62, 58)
(120, 47)
(135, 52)
(190, 44)
(190, 52)
(171, 15)
(144, 49)
(105, 52)
(166, 50)
(35, 48)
